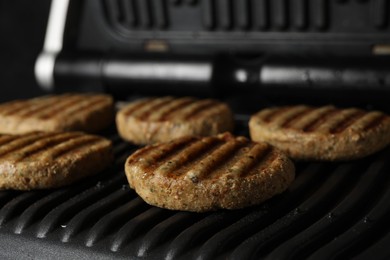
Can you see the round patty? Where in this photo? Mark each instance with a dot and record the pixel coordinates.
(50, 160)
(208, 173)
(68, 112)
(322, 133)
(162, 119)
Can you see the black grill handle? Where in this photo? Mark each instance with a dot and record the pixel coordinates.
(219, 75)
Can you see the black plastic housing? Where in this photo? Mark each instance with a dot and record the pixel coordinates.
(259, 46)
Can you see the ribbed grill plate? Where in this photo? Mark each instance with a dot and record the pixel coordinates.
(331, 210)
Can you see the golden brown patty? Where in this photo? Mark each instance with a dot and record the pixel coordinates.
(208, 173)
(68, 112)
(323, 133)
(153, 120)
(49, 160)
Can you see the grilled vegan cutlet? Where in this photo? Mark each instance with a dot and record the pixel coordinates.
(68, 112)
(50, 160)
(208, 173)
(162, 119)
(321, 133)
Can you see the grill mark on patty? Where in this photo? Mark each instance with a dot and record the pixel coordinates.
(313, 114)
(152, 106)
(170, 113)
(19, 105)
(321, 119)
(273, 113)
(201, 106)
(86, 107)
(137, 105)
(43, 104)
(81, 107)
(288, 122)
(265, 162)
(21, 142)
(288, 113)
(63, 104)
(336, 119)
(219, 156)
(150, 155)
(187, 110)
(253, 155)
(43, 145)
(188, 155)
(35, 108)
(74, 145)
(376, 120)
(8, 106)
(347, 122)
(4, 139)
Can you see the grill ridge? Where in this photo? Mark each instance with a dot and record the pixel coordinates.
(111, 221)
(194, 234)
(88, 216)
(308, 180)
(6, 196)
(64, 211)
(227, 240)
(374, 209)
(16, 205)
(163, 231)
(39, 208)
(306, 242)
(368, 250)
(307, 213)
(136, 225)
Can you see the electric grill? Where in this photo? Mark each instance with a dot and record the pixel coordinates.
(251, 54)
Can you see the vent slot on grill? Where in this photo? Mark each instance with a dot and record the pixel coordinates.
(137, 14)
(255, 16)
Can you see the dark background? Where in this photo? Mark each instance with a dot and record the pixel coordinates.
(22, 30)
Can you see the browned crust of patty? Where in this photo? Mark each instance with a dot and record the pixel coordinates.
(208, 173)
(323, 133)
(50, 160)
(162, 119)
(68, 112)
